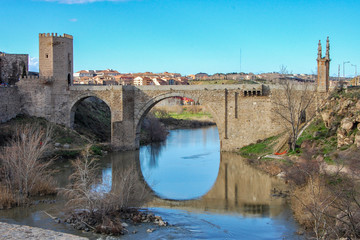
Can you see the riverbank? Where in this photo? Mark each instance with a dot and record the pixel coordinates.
(323, 171)
(15, 232)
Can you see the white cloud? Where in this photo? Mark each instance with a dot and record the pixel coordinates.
(73, 20)
(33, 64)
(84, 1)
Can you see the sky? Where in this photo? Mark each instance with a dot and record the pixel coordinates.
(189, 36)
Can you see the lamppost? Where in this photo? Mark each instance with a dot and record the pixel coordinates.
(344, 68)
(355, 69)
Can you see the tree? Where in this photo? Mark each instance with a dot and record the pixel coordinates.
(292, 104)
(25, 172)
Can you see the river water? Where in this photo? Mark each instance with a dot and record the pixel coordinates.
(202, 193)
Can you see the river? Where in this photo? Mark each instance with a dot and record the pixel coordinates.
(202, 193)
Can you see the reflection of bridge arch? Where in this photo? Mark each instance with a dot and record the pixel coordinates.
(155, 100)
(238, 188)
(75, 103)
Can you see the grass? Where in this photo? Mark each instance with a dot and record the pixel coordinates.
(192, 112)
(189, 115)
(316, 126)
(259, 149)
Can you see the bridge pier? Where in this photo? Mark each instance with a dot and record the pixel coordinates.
(123, 136)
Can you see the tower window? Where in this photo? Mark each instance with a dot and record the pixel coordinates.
(46, 55)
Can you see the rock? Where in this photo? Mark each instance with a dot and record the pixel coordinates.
(162, 223)
(134, 232)
(281, 175)
(66, 146)
(348, 140)
(345, 105)
(124, 224)
(326, 117)
(150, 230)
(347, 124)
(57, 145)
(357, 139)
(357, 106)
(341, 134)
(317, 134)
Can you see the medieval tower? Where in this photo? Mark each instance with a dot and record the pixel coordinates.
(56, 57)
(323, 67)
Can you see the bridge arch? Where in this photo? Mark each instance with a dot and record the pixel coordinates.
(140, 115)
(77, 100)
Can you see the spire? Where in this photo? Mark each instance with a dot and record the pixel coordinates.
(327, 48)
(319, 50)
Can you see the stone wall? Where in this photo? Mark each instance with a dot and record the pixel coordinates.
(12, 67)
(9, 103)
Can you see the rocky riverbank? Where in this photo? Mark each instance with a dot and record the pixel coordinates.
(116, 223)
(323, 172)
(16, 232)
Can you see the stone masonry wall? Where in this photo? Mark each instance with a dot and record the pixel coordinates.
(9, 103)
(11, 67)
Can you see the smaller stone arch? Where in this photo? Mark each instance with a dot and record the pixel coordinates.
(77, 101)
(140, 115)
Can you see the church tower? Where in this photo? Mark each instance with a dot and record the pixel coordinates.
(323, 67)
(56, 57)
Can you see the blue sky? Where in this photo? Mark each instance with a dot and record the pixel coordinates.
(189, 36)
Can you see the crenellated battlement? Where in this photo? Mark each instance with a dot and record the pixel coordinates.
(41, 79)
(43, 35)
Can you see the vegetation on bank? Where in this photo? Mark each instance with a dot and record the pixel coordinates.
(259, 149)
(94, 208)
(323, 171)
(24, 170)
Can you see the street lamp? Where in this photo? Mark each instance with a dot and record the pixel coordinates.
(344, 68)
(355, 69)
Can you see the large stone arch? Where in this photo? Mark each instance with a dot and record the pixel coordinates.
(77, 100)
(140, 115)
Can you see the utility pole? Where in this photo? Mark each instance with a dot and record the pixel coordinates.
(344, 67)
(339, 72)
(355, 69)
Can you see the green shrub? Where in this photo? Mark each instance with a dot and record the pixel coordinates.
(96, 150)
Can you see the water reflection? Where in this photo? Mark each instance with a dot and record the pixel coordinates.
(154, 152)
(185, 166)
(238, 188)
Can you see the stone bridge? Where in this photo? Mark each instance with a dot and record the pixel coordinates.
(243, 113)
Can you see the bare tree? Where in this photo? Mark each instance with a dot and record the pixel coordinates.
(25, 173)
(291, 104)
(82, 192)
